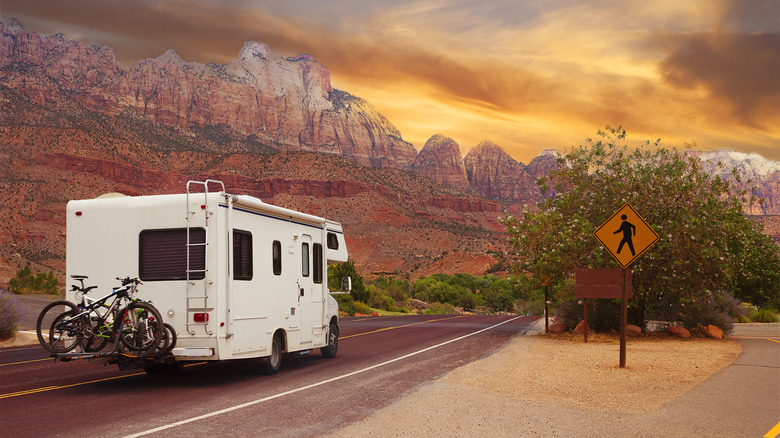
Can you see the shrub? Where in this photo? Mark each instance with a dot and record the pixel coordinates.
(741, 319)
(440, 309)
(714, 308)
(10, 314)
(346, 304)
(765, 315)
(26, 282)
(361, 307)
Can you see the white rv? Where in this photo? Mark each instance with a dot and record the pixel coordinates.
(235, 277)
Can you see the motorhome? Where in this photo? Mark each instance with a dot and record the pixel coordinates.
(236, 277)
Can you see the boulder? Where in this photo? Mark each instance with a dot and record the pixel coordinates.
(712, 331)
(580, 329)
(558, 327)
(633, 330)
(680, 332)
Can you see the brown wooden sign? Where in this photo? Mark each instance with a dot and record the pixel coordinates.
(602, 283)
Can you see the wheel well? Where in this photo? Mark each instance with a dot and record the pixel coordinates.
(282, 335)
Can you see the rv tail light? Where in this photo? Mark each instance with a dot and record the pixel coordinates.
(201, 317)
(78, 213)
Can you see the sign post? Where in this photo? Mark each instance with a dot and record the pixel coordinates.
(625, 230)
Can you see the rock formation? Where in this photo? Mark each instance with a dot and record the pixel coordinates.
(496, 175)
(441, 161)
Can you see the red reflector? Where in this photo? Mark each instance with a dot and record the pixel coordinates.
(203, 206)
(201, 317)
(78, 213)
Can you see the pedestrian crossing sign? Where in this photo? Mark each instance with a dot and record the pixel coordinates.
(626, 235)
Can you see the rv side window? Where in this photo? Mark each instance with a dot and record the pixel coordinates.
(333, 241)
(162, 254)
(305, 259)
(317, 249)
(276, 253)
(242, 255)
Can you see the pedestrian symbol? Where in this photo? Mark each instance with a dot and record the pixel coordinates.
(626, 235)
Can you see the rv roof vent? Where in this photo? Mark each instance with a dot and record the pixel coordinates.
(111, 195)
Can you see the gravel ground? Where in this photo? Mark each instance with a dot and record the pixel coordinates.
(530, 385)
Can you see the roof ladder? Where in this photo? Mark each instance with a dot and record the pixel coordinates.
(197, 298)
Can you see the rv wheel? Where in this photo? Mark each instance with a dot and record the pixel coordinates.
(329, 352)
(272, 363)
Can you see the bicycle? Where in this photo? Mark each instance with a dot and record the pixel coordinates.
(93, 323)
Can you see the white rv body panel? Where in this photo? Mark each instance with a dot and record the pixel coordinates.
(279, 258)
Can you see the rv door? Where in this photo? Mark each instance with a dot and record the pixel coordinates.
(305, 274)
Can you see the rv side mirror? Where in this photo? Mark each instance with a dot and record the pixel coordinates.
(346, 284)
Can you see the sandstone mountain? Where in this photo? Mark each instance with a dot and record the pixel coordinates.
(74, 124)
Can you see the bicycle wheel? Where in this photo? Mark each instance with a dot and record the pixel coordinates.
(65, 333)
(140, 329)
(167, 342)
(46, 317)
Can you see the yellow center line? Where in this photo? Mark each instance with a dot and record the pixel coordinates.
(400, 326)
(773, 340)
(26, 361)
(55, 387)
(773, 432)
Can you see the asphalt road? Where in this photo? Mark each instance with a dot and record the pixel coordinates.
(379, 360)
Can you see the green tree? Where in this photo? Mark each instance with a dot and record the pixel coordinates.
(347, 269)
(705, 243)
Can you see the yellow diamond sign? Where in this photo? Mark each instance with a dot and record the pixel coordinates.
(626, 235)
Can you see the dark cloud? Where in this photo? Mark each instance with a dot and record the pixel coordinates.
(739, 70)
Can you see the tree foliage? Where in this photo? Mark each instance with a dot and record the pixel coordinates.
(707, 246)
(347, 269)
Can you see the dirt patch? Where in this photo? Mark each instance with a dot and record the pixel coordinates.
(521, 384)
(573, 374)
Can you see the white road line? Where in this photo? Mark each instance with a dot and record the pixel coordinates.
(313, 385)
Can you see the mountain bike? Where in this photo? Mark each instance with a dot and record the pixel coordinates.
(134, 326)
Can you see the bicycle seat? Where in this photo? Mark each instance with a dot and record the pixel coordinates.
(79, 277)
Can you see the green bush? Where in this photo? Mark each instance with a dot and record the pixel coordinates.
(26, 282)
(440, 309)
(765, 315)
(346, 303)
(10, 314)
(361, 307)
(741, 319)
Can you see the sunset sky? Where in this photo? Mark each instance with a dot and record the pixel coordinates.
(528, 75)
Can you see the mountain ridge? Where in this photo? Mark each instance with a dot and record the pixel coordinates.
(74, 125)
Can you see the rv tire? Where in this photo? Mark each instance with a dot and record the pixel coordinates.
(273, 363)
(329, 351)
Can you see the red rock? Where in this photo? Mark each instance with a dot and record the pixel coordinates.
(441, 161)
(492, 172)
(558, 327)
(713, 331)
(633, 330)
(374, 313)
(680, 332)
(580, 329)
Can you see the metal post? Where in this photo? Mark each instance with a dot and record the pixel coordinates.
(546, 309)
(623, 318)
(585, 321)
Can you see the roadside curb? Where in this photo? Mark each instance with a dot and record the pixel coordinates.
(20, 339)
(536, 328)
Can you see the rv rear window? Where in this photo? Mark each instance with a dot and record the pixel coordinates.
(333, 241)
(242, 255)
(163, 254)
(305, 259)
(276, 254)
(317, 249)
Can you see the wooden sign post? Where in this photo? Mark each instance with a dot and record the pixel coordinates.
(625, 230)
